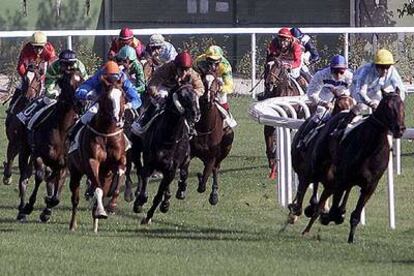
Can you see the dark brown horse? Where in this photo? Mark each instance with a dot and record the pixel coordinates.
(166, 147)
(277, 84)
(211, 144)
(15, 130)
(48, 147)
(360, 159)
(101, 153)
(301, 157)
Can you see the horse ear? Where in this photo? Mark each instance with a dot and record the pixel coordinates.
(383, 93)
(397, 90)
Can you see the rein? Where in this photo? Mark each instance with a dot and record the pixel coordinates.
(112, 134)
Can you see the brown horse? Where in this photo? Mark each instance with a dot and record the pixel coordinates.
(277, 84)
(166, 147)
(212, 143)
(301, 157)
(360, 159)
(49, 148)
(101, 153)
(15, 130)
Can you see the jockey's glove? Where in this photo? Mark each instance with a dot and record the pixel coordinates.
(128, 106)
(373, 104)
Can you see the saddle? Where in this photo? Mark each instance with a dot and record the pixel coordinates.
(37, 112)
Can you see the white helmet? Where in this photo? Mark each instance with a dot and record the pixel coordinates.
(156, 40)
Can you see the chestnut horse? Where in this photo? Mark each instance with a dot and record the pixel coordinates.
(15, 130)
(277, 84)
(211, 144)
(101, 153)
(166, 147)
(360, 159)
(301, 157)
(49, 148)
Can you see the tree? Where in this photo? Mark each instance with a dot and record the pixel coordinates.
(407, 9)
(57, 6)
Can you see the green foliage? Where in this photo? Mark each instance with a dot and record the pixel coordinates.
(244, 64)
(407, 9)
(89, 58)
(197, 45)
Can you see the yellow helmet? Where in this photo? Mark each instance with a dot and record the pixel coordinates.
(384, 57)
(214, 52)
(38, 39)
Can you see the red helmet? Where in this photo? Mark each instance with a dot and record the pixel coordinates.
(284, 32)
(183, 60)
(126, 33)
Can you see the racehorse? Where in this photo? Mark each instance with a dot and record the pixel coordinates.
(277, 84)
(211, 144)
(303, 158)
(15, 130)
(101, 153)
(166, 147)
(48, 147)
(360, 159)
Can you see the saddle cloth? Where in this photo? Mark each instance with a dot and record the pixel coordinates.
(31, 117)
(229, 121)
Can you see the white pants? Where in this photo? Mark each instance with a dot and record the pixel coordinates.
(321, 114)
(87, 117)
(222, 98)
(295, 73)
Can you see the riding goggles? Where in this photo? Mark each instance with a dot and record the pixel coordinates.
(113, 77)
(338, 71)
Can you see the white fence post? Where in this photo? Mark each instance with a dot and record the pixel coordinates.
(253, 61)
(69, 42)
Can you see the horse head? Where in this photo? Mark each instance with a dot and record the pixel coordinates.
(32, 84)
(277, 82)
(343, 102)
(391, 114)
(211, 89)
(68, 84)
(112, 101)
(184, 100)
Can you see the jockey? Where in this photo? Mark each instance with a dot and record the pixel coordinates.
(127, 59)
(126, 37)
(90, 90)
(371, 78)
(35, 54)
(310, 53)
(214, 62)
(159, 50)
(67, 61)
(287, 48)
(326, 84)
(168, 77)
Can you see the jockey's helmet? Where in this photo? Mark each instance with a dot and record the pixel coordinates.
(126, 34)
(284, 32)
(296, 32)
(156, 40)
(68, 56)
(38, 39)
(127, 52)
(338, 61)
(384, 57)
(183, 60)
(214, 53)
(111, 71)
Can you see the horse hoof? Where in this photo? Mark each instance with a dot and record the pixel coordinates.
(145, 221)
(310, 211)
(292, 218)
(339, 219)
(213, 198)
(111, 209)
(138, 209)
(294, 209)
(51, 202)
(44, 218)
(164, 207)
(27, 209)
(100, 214)
(128, 195)
(21, 217)
(180, 195)
(7, 180)
(324, 219)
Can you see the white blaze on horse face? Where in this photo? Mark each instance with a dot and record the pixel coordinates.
(115, 96)
(30, 76)
(209, 79)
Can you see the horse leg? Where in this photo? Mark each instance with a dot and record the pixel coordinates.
(313, 202)
(165, 203)
(182, 183)
(93, 174)
(268, 132)
(119, 177)
(295, 208)
(324, 196)
(39, 177)
(58, 183)
(74, 184)
(214, 188)
(142, 196)
(165, 182)
(12, 150)
(128, 194)
(342, 208)
(25, 168)
(202, 178)
(333, 214)
(356, 214)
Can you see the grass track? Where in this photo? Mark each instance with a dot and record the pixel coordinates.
(237, 237)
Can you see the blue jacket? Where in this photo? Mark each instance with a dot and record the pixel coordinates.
(94, 83)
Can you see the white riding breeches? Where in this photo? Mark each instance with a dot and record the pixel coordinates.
(87, 117)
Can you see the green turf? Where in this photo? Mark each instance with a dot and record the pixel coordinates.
(240, 236)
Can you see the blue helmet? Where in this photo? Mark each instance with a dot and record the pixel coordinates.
(338, 61)
(296, 32)
(67, 56)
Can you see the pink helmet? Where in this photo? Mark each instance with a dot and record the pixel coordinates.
(284, 32)
(183, 60)
(126, 33)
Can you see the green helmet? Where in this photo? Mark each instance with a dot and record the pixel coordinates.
(127, 52)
